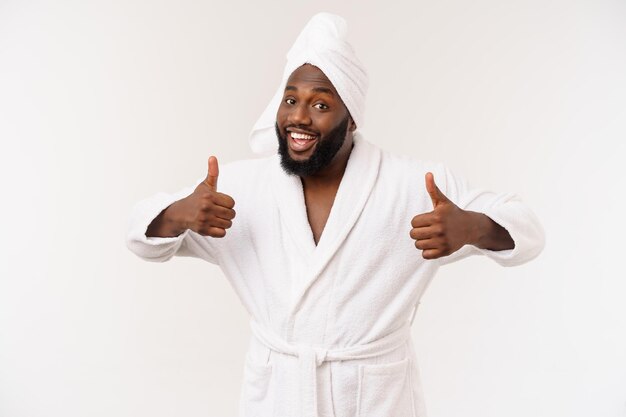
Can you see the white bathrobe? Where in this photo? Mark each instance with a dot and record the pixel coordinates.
(331, 323)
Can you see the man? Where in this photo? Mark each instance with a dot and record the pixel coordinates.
(333, 244)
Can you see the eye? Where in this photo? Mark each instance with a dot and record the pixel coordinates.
(290, 101)
(321, 106)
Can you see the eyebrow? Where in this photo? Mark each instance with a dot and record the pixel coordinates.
(315, 89)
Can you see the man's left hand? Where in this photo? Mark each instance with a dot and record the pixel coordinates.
(442, 231)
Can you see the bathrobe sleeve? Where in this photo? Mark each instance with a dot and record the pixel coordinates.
(507, 210)
(160, 249)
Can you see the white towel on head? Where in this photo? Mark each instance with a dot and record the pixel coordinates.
(322, 43)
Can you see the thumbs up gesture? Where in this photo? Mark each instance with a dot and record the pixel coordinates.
(205, 211)
(442, 231)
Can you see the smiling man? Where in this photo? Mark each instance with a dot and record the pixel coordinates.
(333, 243)
(314, 131)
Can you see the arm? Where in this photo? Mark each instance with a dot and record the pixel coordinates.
(484, 233)
(497, 225)
(160, 226)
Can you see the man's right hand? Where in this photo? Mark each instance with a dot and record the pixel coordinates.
(205, 211)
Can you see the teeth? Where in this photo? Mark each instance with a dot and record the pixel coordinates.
(301, 136)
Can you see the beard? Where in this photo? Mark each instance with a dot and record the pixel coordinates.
(322, 156)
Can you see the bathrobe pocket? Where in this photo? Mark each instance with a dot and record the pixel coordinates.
(384, 390)
(256, 393)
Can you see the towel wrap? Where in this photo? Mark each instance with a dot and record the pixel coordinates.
(323, 43)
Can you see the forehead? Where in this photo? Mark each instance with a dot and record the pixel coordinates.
(309, 76)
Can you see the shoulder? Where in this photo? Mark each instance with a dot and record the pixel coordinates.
(407, 172)
(408, 165)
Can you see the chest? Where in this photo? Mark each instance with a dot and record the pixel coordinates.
(319, 203)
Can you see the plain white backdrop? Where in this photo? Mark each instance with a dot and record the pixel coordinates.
(103, 103)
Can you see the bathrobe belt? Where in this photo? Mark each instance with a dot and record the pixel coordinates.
(309, 358)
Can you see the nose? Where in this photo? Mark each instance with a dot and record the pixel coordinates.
(299, 115)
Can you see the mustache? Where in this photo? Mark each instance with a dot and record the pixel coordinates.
(302, 129)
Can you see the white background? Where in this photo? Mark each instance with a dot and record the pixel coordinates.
(104, 103)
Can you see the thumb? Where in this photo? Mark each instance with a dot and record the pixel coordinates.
(435, 193)
(214, 171)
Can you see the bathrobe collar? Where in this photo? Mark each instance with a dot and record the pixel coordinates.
(354, 190)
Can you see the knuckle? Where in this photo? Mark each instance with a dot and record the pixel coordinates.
(206, 204)
(205, 221)
(212, 197)
(433, 255)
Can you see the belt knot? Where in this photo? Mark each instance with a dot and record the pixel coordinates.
(312, 354)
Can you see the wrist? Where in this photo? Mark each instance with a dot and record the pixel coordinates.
(487, 234)
(166, 224)
(479, 229)
(174, 219)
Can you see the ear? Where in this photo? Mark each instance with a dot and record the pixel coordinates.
(351, 125)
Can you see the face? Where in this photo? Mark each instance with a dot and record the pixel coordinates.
(312, 123)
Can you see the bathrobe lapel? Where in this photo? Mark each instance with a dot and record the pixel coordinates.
(354, 190)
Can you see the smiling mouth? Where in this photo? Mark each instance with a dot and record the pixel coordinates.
(301, 142)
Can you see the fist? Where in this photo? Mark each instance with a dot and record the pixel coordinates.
(442, 231)
(209, 212)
